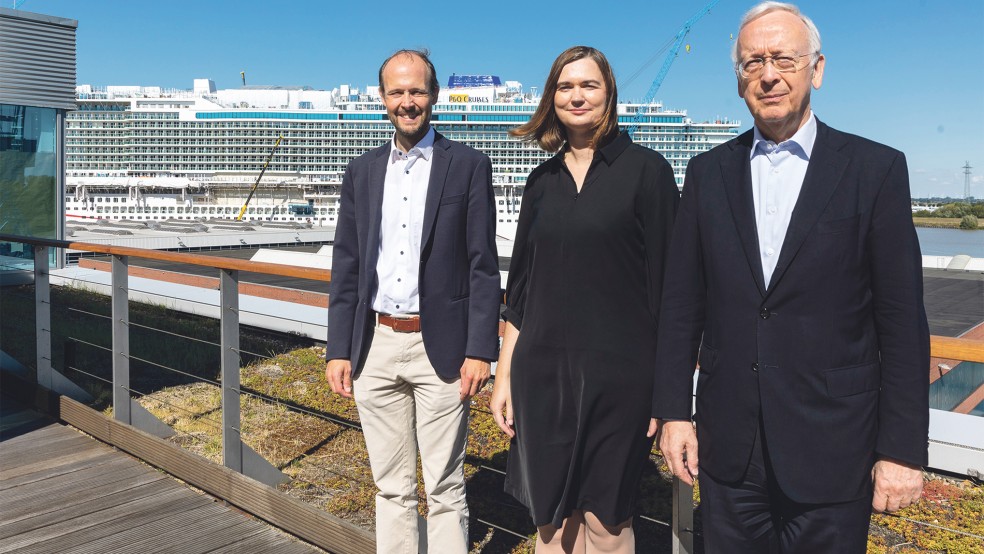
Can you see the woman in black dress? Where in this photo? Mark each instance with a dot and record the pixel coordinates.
(573, 385)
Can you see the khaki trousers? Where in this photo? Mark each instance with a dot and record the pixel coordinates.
(404, 404)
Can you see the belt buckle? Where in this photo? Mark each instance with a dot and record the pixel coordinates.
(401, 324)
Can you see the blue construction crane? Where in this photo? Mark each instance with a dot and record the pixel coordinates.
(677, 43)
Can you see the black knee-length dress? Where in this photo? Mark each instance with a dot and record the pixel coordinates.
(584, 290)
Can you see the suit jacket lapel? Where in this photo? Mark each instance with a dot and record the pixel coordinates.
(377, 178)
(823, 174)
(742, 206)
(440, 164)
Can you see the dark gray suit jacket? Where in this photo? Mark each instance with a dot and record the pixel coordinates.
(459, 282)
(833, 355)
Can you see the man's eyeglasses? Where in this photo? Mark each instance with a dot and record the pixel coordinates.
(783, 64)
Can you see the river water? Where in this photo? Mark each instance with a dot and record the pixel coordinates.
(950, 242)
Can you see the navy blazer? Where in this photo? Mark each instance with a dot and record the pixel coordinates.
(459, 281)
(833, 355)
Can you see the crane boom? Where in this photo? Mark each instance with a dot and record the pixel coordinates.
(262, 171)
(670, 57)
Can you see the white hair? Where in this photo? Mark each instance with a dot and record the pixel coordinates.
(813, 34)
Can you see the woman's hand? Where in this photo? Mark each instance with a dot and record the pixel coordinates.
(501, 403)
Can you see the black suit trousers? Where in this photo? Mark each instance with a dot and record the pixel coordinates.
(753, 516)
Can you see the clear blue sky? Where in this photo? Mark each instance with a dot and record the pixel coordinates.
(908, 73)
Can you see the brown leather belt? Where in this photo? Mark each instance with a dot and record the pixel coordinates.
(400, 324)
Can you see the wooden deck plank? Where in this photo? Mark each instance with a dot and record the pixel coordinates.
(52, 467)
(76, 482)
(199, 521)
(54, 512)
(296, 547)
(28, 455)
(236, 527)
(264, 541)
(65, 535)
(14, 512)
(48, 435)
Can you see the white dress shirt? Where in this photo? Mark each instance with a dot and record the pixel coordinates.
(777, 177)
(402, 226)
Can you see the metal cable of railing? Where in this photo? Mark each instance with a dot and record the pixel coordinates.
(199, 417)
(86, 373)
(93, 314)
(196, 339)
(504, 529)
(87, 343)
(178, 371)
(935, 526)
(132, 357)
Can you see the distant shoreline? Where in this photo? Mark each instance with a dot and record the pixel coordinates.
(943, 223)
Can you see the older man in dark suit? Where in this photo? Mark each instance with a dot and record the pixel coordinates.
(415, 294)
(795, 274)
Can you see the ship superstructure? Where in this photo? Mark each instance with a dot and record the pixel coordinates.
(147, 153)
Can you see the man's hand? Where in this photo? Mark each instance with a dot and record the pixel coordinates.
(339, 375)
(897, 484)
(678, 442)
(501, 404)
(474, 374)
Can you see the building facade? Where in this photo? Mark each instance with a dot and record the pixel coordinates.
(37, 89)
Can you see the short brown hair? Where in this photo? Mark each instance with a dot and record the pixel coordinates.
(545, 129)
(433, 87)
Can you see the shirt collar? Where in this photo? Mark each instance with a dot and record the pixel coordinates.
(610, 152)
(425, 147)
(801, 143)
(614, 149)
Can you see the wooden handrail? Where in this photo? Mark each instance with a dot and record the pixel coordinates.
(941, 347)
(180, 257)
(965, 350)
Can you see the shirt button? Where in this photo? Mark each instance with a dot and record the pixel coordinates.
(401, 252)
(404, 198)
(408, 172)
(397, 306)
(404, 225)
(775, 172)
(769, 251)
(399, 280)
(772, 209)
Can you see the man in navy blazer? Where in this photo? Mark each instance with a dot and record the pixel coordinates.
(795, 279)
(414, 307)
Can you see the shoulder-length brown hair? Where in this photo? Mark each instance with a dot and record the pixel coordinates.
(545, 129)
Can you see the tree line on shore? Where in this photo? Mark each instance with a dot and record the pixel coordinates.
(969, 213)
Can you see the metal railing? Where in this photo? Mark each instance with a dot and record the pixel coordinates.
(236, 455)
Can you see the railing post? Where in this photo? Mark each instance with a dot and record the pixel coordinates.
(42, 318)
(683, 518)
(120, 299)
(232, 451)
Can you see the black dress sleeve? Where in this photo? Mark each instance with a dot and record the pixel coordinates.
(522, 257)
(658, 202)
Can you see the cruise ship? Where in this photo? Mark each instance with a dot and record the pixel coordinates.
(151, 154)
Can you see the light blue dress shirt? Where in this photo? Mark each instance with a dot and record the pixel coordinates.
(777, 177)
